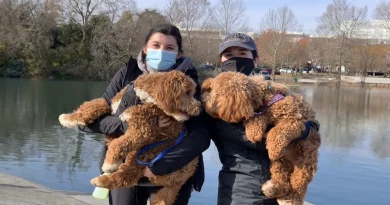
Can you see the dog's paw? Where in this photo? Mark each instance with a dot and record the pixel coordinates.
(269, 189)
(66, 121)
(110, 168)
(274, 155)
(96, 182)
(273, 190)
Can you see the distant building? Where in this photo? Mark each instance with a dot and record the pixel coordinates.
(374, 31)
(295, 36)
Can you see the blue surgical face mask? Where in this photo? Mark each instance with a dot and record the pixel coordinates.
(161, 60)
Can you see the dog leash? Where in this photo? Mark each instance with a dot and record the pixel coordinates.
(305, 134)
(163, 153)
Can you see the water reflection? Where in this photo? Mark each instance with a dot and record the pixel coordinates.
(355, 153)
(33, 142)
(354, 156)
(351, 116)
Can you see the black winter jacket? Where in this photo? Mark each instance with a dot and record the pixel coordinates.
(192, 146)
(245, 166)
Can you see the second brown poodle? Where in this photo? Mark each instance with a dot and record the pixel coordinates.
(234, 97)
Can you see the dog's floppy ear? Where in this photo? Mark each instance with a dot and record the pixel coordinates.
(172, 87)
(235, 107)
(206, 85)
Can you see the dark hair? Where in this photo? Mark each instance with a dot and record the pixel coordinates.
(254, 53)
(167, 29)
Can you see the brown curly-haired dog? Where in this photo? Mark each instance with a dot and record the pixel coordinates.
(162, 94)
(234, 97)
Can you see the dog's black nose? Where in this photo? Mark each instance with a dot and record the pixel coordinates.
(124, 102)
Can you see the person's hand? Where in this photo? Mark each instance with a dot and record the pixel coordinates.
(148, 173)
(315, 124)
(311, 125)
(164, 121)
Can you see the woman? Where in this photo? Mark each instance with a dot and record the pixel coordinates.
(246, 166)
(162, 52)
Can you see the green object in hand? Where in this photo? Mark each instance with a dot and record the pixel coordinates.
(101, 193)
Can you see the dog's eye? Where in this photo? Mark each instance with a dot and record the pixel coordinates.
(188, 93)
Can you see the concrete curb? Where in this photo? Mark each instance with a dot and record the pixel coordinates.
(18, 191)
(14, 190)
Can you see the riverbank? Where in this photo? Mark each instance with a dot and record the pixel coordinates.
(14, 190)
(323, 79)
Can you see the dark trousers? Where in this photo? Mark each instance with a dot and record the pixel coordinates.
(138, 195)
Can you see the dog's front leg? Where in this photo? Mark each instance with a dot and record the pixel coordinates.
(86, 114)
(280, 136)
(279, 184)
(127, 175)
(116, 153)
(255, 128)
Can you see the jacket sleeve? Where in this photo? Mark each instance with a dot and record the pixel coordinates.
(109, 124)
(238, 135)
(116, 84)
(192, 146)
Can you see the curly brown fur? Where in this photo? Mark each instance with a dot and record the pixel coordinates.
(86, 114)
(233, 101)
(130, 172)
(143, 130)
(234, 97)
(172, 93)
(91, 110)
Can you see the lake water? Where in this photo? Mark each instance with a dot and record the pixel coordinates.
(354, 164)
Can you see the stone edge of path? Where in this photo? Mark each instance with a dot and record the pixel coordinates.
(16, 190)
(28, 187)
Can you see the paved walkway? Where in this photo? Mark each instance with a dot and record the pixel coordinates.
(17, 191)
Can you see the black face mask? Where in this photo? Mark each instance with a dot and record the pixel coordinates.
(238, 64)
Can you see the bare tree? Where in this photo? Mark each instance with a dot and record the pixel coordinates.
(190, 16)
(173, 12)
(275, 25)
(229, 15)
(81, 10)
(187, 14)
(114, 8)
(342, 21)
(382, 12)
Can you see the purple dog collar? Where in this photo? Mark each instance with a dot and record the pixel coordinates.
(275, 99)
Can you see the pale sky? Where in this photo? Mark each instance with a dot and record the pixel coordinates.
(306, 11)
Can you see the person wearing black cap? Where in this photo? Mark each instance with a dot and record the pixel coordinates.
(238, 52)
(245, 165)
